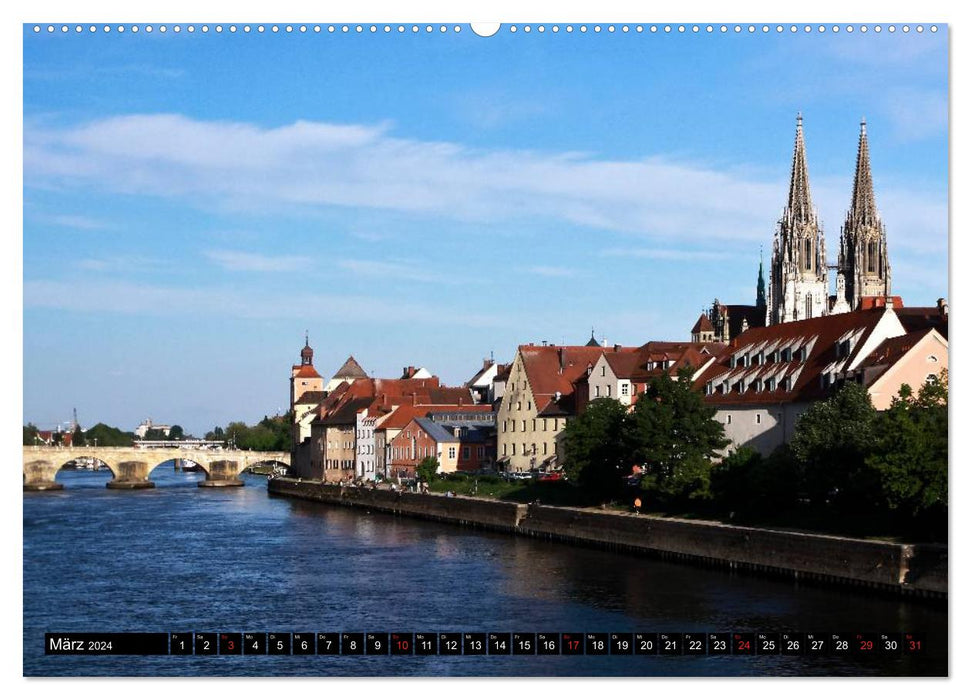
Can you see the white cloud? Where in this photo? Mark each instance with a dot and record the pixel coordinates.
(124, 264)
(403, 270)
(670, 254)
(106, 295)
(548, 271)
(244, 167)
(253, 262)
(75, 221)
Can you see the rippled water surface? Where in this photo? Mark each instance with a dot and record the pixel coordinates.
(181, 558)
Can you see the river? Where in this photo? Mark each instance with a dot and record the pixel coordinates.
(179, 558)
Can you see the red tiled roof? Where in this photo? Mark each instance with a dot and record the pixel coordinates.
(380, 396)
(892, 349)
(554, 368)
(820, 335)
(402, 415)
(915, 318)
(880, 302)
(702, 324)
(311, 397)
(306, 372)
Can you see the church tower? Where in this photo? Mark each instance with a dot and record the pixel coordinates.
(798, 286)
(864, 266)
(760, 302)
(304, 377)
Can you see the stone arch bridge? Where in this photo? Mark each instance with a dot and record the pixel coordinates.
(130, 466)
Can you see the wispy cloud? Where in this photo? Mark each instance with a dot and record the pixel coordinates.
(89, 72)
(312, 164)
(370, 236)
(124, 264)
(255, 262)
(75, 221)
(105, 295)
(244, 167)
(494, 108)
(411, 271)
(548, 271)
(668, 254)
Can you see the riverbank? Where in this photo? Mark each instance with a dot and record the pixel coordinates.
(903, 569)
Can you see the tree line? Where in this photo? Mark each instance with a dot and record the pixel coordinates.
(270, 434)
(848, 467)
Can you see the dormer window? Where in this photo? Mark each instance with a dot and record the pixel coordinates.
(740, 361)
(803, 353)
(787, 354)
(770, 384)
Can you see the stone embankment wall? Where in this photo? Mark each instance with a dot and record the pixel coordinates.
(901, 568)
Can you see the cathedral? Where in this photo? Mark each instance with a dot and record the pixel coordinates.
(798, 271)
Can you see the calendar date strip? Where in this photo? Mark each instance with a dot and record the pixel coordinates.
(480, 644)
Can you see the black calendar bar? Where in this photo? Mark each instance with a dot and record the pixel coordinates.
(106, 643)
(629, 644)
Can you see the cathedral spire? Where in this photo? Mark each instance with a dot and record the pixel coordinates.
(863, 208)
(760, 285)
(800, 203)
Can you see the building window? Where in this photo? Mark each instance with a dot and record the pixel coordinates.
(758, 418)
(544, 424)
(529, 405)
(519, 405)
(932, 358)
(809, 254)
(513, 426)
(608, 390)
(524, 426)
(545, 446)
(931, 379)
(451, 452)
(503, 449)
(603, 371)
(524, 450)
(624, 389)
(514, 449)
(534, 425)
(480, 451)
(728, 419)
(597, 391)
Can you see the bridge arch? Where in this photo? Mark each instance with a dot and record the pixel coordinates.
(130, 466)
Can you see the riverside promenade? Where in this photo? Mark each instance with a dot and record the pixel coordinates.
(902, 569)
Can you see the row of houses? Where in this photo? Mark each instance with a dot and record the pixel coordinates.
(511, 417)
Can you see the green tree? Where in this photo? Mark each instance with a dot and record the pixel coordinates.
(427, 469)
(749, 485)
(106, 436)
(176, 432)
(77, 437)
(831, 443)
(155, 434)
(675, 438)
(216, 434)
(910, 455)
(597, 449)
(30, 434)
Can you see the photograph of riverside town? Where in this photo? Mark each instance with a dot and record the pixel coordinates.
(572, 350)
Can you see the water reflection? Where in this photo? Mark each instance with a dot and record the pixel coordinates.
(180, 557)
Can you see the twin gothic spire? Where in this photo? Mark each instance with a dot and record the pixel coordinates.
(800, 201)
(798, 285)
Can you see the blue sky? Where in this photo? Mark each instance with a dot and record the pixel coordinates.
(192, 203)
